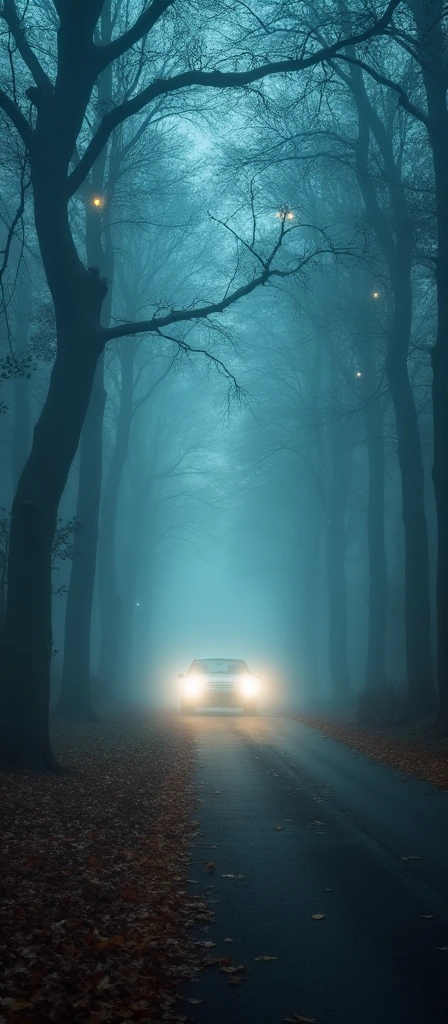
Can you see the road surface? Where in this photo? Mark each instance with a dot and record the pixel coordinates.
(316, 828)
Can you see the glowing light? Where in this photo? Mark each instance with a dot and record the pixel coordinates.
(249, 686)
(358, 373)
(193, 686)
(375, 295)
(98, 202)
(284, 214)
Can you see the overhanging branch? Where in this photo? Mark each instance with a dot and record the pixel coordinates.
(105, 55)
(211, 80)
(16, 27)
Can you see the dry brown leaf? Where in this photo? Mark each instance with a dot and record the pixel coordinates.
(318, 917)
(278, 828)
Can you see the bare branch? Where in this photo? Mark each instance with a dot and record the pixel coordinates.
(15, 115)
(211, 80)
(148, 18)
(156, 324)
(16, 27)
(390, 84)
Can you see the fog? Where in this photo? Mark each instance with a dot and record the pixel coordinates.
(243, 468)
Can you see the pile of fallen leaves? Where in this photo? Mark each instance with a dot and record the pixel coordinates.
(94, 908)
(412, 751)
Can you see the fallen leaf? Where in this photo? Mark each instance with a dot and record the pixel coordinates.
(228, 940)
(298, 1019)
(233, 970)
(318, 917)
(236, 981)
(209, 865)
(194, 1002)
(278, 828)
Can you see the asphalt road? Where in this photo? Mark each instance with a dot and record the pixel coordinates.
(316, 828)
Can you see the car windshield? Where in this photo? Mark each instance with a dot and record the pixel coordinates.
(212, 666)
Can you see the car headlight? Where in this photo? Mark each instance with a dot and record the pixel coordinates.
(249, 686)
(193, 686)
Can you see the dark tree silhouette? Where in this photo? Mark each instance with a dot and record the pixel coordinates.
(50, 133)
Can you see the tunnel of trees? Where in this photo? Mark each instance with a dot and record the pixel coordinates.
(223, 326)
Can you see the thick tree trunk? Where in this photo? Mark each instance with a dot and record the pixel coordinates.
(25, 690)
(21, 424)
(417, 596)
(110, 601)
(440, 407)
(75, 697)
(397, 248)
(432, 39)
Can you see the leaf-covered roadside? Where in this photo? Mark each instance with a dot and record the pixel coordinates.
(94, 909)
(411, 751)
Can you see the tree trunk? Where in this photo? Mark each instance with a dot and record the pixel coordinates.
(110, 601)
(377, 619)
(432, 40)
(417, 597)
(439, 356)
(129, 609)
(397, 247)
(75, 697)
(309, 583)
(25, 691)
(21, 425)
(335, 554)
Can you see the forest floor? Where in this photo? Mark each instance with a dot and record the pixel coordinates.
(412, 749)
(95, 916)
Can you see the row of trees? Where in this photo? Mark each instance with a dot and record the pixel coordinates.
(92, 138)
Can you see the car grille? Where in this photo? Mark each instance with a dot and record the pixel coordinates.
(221, 685)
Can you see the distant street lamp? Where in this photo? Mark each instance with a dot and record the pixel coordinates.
(284, 214)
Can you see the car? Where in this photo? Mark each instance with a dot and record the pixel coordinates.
(219, 683)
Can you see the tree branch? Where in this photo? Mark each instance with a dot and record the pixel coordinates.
(15, 115)
(15, 25)
(156, 324)
(148, 18)
(211, 80)
(390, 84)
